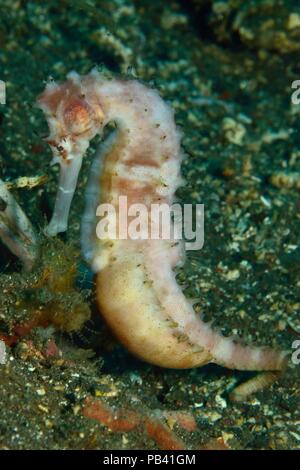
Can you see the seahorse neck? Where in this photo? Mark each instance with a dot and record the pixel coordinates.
(145, 155)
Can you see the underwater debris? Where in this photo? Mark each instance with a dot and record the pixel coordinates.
(161, 426)
(45, 297)
(16, 231)
(126, 420)
(259, 25)
(285, 180)
(234, 131)
(27, 182)
(254, 385)
(218, 443)
(104, 38)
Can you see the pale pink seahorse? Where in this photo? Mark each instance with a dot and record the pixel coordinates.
(136, 288)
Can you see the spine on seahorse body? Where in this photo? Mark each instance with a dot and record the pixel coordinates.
(136, 287)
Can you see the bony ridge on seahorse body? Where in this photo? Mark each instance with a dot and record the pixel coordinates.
(136, 287)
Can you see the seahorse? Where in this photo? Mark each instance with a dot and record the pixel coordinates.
(136, 287)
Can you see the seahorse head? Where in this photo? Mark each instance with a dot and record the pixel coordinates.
(73, 114)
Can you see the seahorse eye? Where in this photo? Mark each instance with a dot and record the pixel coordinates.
(78, 117)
